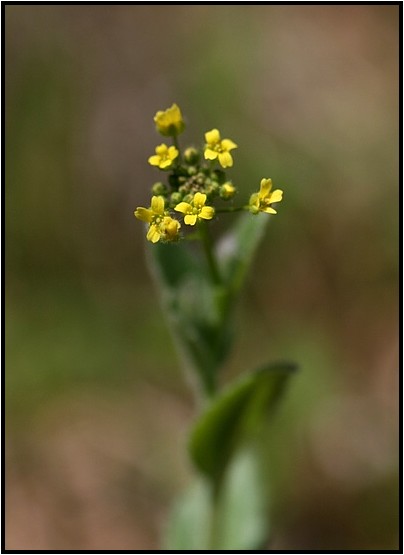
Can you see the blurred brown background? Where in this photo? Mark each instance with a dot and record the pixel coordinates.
(97, 406)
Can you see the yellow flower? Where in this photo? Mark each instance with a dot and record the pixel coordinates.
(261, 201)
(161, 226)
(219, 148)
(164, 156)
(171, 229)
(169, 122)
(196, 210)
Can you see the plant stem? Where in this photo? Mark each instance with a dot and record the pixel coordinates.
(210, 256)
(177, 146)
(214, 520)
(175, 141)
(216, 509)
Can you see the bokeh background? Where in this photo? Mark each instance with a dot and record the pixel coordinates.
(97, 406)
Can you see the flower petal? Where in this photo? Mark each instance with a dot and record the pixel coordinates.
(212, 136)
(144, 214)
(207, 212)
(269, 210)
(154, 160)
(225, 159)
(153, 234)
(171, 227)
(161, 149)
(190, 219)
(210, 154)
(183, 207)
(157, 205)
(159, 115)
(199, 200)
(173, 152)
(165, 163)
(276, 196)
(227, 144)
(169, 122)
(265, 187)
(254, 200)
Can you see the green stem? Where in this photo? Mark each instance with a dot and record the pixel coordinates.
(177, 146)
(214, 520)
(175, 141)
(210, 256)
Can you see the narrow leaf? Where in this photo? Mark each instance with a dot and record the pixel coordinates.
(237, 248)
(235, 414)
(194, 307)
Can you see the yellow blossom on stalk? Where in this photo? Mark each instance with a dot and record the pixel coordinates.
(171, 228)
(161, 226)
(164, 157)
(196, 209)
(261, 201)
(218, 148)
(169, 122)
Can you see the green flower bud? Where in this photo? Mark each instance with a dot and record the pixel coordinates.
(191, 155)
(192, 170)
(227, 191)
(213, 187)
(159, 189)
(175, 197)
(200, 179)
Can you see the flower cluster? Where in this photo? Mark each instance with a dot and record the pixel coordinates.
(196, 181)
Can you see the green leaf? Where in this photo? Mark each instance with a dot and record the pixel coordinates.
(194, 307)
(234, 415)
(172, 263)
(236, 249)
(236, 519)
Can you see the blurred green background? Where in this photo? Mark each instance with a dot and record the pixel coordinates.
(97, 406)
